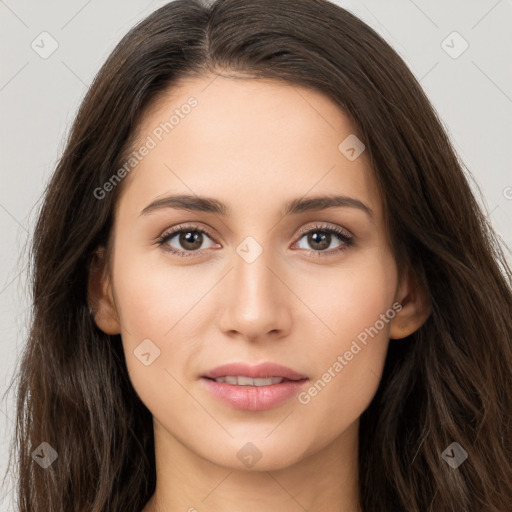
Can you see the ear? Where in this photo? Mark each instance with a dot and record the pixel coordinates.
(415, 310)
(100, 297)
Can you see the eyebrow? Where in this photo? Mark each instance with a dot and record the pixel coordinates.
(296, 206)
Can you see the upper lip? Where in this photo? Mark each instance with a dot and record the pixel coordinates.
(263, 370)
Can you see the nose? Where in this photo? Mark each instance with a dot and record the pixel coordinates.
(256, 303)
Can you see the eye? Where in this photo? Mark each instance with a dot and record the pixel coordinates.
(190, 238)
(320, 238)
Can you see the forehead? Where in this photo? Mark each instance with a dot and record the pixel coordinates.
(256, 142)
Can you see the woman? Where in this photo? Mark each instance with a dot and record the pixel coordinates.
(256, 286)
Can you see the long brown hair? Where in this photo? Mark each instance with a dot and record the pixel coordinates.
(448, 382)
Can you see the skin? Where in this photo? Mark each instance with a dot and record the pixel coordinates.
(254, 145)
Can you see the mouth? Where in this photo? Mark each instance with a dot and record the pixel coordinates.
(253, 375)
(253, 388)
(241, 380)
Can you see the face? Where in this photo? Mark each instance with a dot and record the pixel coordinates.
(249, 269)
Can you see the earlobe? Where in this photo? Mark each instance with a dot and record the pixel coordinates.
(416, 307)
(100, 297)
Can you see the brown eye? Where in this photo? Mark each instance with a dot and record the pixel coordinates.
(184, 240)
(320, 239)
(190, 240)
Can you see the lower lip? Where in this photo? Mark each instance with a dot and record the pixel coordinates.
(254, 398)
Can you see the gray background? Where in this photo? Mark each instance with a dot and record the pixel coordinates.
(39, 98)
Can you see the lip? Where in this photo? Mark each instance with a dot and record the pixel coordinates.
(263, 370)
(254, 398)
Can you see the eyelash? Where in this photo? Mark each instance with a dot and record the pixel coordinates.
(347, 240)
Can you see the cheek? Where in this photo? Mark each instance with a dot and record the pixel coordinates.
(156, 306)
(349, 300)
(155, 298)
(356, 306)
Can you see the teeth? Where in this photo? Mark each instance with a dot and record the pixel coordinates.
(249, 381)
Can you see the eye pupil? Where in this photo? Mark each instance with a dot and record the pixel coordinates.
(323, 240)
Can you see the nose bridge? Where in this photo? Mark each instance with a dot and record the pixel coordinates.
(255, 304)
(252, 278)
